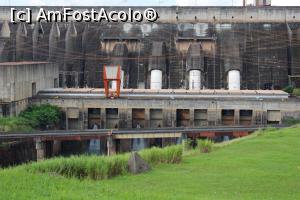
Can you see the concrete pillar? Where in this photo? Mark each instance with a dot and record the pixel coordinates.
(264, 117)
(237, 117)
(125, 145)
(103, 117)
(147, 118)
(174, 120)
(123, 118)
(169, 118)
(85, 122)
(260, 117)
(56, 147)
(192, 117)
(63, 84)
(67, 119)
(168, 141)
(111, 146)
(211, 117)
(40, 150)
(129, 118)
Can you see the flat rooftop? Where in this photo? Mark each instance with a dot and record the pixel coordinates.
(3, 64)
(164, 93)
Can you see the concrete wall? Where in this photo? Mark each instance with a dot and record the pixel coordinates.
(18, 80)
(214, 107)
(174, 14)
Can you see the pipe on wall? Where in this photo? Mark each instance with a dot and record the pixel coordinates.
(194, 79)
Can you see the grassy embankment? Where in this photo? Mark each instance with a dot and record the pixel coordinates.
(265, 165)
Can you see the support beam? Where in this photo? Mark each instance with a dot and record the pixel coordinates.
(40, 150)
(56, 148)
(111, 146)
(147, 118)
(236, 117)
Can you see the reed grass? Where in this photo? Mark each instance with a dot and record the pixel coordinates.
(103, 167)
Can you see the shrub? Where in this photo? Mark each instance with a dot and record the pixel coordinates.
(205, 146)
(42, 116)
(290, 121)
(289, 89)
(188, 144)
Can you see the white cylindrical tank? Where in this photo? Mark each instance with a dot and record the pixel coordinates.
(195, 79)
(234, 80)
(156, 79)
(113, 84)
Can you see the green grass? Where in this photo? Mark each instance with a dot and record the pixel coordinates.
(264, 166)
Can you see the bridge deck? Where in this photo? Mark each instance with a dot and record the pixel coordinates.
(122, 134)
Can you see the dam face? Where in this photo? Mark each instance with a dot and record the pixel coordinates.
(261, 43)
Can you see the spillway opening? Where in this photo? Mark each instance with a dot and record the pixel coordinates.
(227, 117)
(73, 119)
(138, 118)
(112, 118)
(200, 117)
(94, 118)
(156, 118)
(182, 117)
(246, 117)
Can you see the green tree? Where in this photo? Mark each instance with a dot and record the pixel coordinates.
(42, 116)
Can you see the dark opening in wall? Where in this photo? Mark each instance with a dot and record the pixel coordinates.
(55, 83)
(94, 118)
(73, 118)
(182, 117)
(246, 117)
(4, 110)
(138, 118)
(227, 117)
(33, 88)
(112, 118)
(73, 124)
(200, 117)
(156, 118)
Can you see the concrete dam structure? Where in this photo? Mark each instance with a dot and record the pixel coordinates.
(187, 47)
(193, 67)
(208, 72)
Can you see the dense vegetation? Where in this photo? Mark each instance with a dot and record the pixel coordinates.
(103, 167)
(265, 165)
(290, 121)
(34, 117)
(288, 89)
(296, 91)
(292, 90)
(14, 124)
